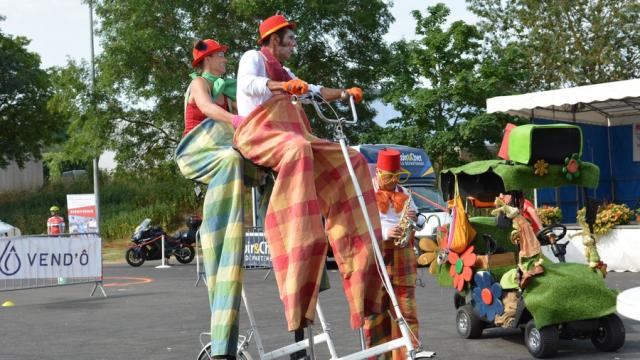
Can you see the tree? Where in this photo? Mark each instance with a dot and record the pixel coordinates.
(566, 43)
(147, 54)
(25, 123)
(440, 82)
(88, 115)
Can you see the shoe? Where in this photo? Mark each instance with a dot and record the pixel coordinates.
(526, 277)
(299, 355)
(422, 354)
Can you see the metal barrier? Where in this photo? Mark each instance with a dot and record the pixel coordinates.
(37, 261)
(256, 252)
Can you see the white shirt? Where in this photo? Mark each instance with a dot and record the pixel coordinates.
(252, 82)
(392, 218)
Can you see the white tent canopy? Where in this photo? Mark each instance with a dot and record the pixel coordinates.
(607, 104)
(8, 230)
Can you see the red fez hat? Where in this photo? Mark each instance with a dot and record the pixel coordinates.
(389, 160)
(206, 48)
(273, 24)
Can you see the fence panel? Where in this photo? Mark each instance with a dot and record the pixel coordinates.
(42, 261)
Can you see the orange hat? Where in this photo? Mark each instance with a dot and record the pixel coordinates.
(210, 46)
(389, 160)
(273, 24)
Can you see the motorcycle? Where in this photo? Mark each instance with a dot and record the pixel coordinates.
(189, 236)
(147, 246)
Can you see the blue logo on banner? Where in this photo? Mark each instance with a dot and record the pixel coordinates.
(7, 253)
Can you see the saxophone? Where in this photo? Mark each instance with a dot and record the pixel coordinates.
(407, 225)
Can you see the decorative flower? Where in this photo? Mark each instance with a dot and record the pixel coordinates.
(607, 217)
(541, 168)
(486, 295)
(430, 249)
(571, 168)
(461, 265)
(549, 215)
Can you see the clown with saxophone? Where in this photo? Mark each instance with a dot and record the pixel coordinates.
(398, 217)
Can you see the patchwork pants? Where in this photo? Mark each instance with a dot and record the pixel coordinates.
(206, 155)
(380, 328)
(312, 182)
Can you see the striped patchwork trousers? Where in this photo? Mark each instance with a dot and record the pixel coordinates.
(313, 182)
(206, 155)
(380, 328)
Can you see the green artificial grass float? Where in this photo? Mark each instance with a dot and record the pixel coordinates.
(568, 292)
(501, 278)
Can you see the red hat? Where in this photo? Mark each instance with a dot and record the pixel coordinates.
(210, 46)
(273, 24)
(389, 160)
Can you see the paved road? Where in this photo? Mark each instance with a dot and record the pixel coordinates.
(161, 319)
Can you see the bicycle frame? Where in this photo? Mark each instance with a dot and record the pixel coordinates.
(324, 337)
(405, 340)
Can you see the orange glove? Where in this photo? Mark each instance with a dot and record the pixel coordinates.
(356, 92)
(296, 87)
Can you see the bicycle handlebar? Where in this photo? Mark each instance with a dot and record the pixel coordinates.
(314, 98)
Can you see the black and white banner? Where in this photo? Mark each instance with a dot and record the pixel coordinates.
(35, 257)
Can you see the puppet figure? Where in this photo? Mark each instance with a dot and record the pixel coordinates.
(529, 260)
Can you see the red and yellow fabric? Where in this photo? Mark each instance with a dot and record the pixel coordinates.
(313, 181)
(401, 265)
(381, 328)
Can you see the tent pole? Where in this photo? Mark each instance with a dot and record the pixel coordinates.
(611, 178)
(574, 108)
(535, 191)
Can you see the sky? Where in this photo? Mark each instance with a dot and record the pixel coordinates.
(59, 30)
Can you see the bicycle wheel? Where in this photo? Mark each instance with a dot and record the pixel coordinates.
(244, 354)
(205, 354)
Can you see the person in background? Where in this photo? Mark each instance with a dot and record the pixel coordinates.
(55, 224)
(399, 258)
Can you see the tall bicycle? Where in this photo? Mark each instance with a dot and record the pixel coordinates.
(254, 236)
(405, 340)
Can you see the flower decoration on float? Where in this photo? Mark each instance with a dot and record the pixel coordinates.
(460, 269)
(428, 257)
(571, 168)
(486, 295)
(541, 168)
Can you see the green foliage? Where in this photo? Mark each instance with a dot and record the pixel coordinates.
(125, 200)
(607, 217)
(143, 69)
(26, 125)
(440, 83)
(91, 117)
(565, 43)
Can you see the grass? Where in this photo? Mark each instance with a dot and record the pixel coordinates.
(113, 252)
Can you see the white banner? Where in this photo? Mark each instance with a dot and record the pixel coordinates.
(50, 257)
(636, 141)
(82, 213)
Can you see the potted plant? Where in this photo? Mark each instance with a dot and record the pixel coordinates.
(549, 215)
(608, 216)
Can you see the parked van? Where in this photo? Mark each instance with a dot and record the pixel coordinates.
(422, 180)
